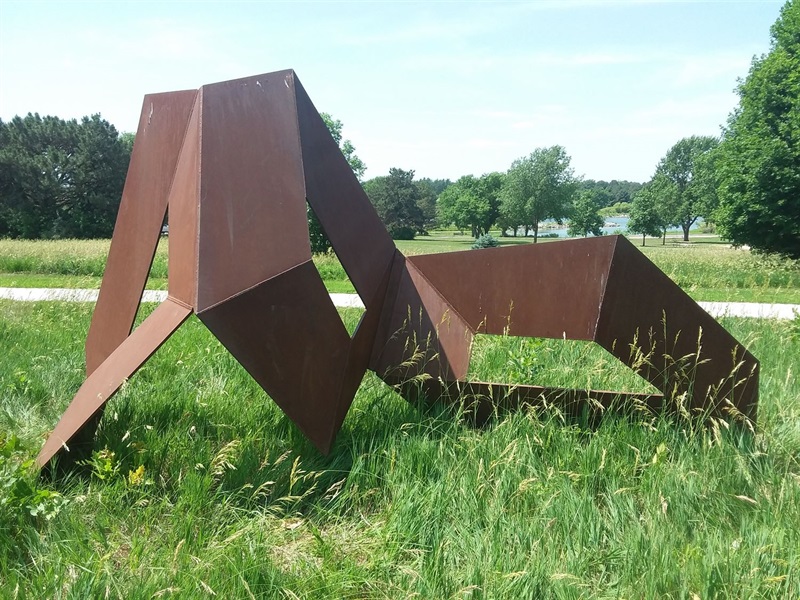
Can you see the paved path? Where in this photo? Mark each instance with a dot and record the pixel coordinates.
(78, 295)
(715, 309)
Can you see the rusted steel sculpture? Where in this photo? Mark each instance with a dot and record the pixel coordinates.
(235, 162)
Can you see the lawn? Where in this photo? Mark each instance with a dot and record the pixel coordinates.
(66, 263)
(707, 269)
(201, 487)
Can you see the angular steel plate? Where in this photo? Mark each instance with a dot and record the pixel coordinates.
(235, 164)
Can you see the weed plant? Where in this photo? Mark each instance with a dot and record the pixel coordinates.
(199, 486)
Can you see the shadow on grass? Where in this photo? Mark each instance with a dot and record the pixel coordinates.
(244, 452)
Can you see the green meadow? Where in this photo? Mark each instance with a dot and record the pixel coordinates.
(199, 486)
(706, 268)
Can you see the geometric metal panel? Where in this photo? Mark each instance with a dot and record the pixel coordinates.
(252, 209)
(238, 161)
(162, 126)
(287, 334)
(106, 380)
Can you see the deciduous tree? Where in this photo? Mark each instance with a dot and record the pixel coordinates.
(649, 208)
(538, 187)
(585, 218)
(687, 172)
(320, 241)
(346, 146)
(437, 185)
(431, 189)
(427, 204)
(471, 203)
(758, 162)
(611, 192)
(396, 199)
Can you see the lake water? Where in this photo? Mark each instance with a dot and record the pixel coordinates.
(612, 225)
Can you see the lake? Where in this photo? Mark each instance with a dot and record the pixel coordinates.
(612, 225)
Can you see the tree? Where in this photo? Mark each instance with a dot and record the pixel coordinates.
(319, 241)
(346, 146)
(427, 203)
(687, 170)
(758, 161)
(471, 203)
(100, 166)
(514, 214)
(585, 218)
(611, 192)
(615, 210)
(488, 190)
(538, 187)
(649, 208)
(430, 190)
(127, 138)
(60, 178)
(396, 199)
(437, 185)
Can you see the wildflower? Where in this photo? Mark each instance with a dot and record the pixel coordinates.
(136, 477)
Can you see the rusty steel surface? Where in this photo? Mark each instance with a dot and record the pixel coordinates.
(112, 373)
(253, 223)
(425, 334)
(548, 290)
(685, 350)
(287, 334)
(141, 211)
(236, 163)
(362, 243)
(184, 202)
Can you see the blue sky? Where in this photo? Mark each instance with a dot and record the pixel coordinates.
(444, 88)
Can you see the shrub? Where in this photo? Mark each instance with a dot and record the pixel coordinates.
(22, 500)
(485, 241)
(402, 232)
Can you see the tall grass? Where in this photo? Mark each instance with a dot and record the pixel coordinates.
(65, 257)
(701, 267)
(80, 263)
(201, 487)
(552, 363)
(711, 272)
(333, 274)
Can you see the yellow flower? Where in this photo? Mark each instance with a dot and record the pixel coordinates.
(136, 477)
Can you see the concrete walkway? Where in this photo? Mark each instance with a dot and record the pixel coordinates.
(715, 309)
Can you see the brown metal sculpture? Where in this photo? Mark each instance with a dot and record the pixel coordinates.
(236, 162)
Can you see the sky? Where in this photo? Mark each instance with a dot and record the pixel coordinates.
(444, 88)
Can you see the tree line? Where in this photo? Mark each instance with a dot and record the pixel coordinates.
(64, 178)
(747, 183)
(61, 179)
(535, 188)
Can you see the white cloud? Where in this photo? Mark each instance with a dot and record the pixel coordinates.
(694, 70)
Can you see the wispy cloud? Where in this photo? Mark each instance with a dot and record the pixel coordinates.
(163, 39)
(692, 70)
